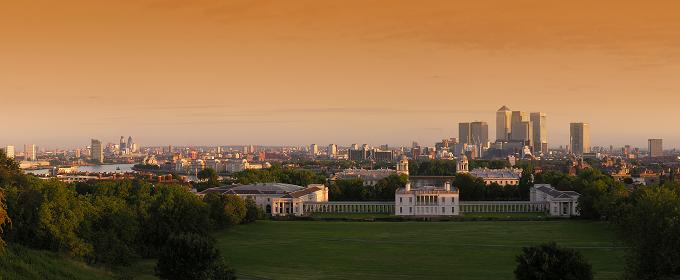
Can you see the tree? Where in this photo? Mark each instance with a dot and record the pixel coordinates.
(209, 179)
(551, 262)
(225, 210)
(384, 189)
(651, 228)
(253, 212)
(191, 257)
(112, 229)
(348, 190)
(173, 209)
(4, 218)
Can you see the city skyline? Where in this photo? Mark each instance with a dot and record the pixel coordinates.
(209, 72)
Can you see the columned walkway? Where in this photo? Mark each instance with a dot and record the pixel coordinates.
(350, 207)
(502, 207)
(387, 207)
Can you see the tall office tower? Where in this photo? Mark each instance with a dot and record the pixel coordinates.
(30, 152)
(579, 141)
(313, 150)
(97, 151)
(131, 145)
(332, 151)
(123, 145)
(503, 124)
(518, 133)
(655, 147)
(9, 151)
(77, 153)
(354, 146)
(540, 133)
(479, 133)
(464, 135)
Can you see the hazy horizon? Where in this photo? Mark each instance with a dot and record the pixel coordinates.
(212, 72)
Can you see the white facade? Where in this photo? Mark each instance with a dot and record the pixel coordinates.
(426, 201)
(277, 199)
(559, 203)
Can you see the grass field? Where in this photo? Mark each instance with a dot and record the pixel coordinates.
(407, 250)
(505, 215)
(350, 215)
(19, 263)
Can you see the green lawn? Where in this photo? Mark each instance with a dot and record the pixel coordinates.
(505, 215)
(351, 215)
(407, 250)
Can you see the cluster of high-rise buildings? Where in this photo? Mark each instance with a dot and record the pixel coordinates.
(517, 131)
(517, 126)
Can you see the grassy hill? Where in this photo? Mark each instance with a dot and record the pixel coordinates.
(20, 263)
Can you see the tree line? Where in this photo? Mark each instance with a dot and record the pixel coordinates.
(115, 223)
(646, 218)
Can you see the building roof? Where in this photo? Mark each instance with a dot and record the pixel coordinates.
(505, 173)
(301, 193)
(364, 174)
(260, 188)
(427, 190)
(504, 108)
(548, 189)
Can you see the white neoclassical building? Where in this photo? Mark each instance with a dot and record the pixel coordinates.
(559, 203)
(426, 201)
(277, 199)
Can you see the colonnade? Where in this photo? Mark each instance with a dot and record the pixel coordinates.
(349, 207)
(502, 207)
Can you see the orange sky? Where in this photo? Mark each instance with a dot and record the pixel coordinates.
(300, 72)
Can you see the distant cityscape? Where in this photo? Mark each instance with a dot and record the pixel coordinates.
(519, 135)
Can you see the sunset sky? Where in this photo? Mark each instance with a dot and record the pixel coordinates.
(207, 72)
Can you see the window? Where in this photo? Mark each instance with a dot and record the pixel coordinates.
(443, 200)
(400, 200)
(400, 210)
(410, 209)
(443, 210)
(410, 199)
(453, 210)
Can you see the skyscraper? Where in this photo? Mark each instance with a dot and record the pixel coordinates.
(130, 145)
(332, 151)
(579, 141)
(464, 133)
(655, 147)
(503, 124)
(314, 150)
(9, 151)
(30, 152)
(479, 133)
(540, 133)
(97, 151)
(519, 132)
(123, 145)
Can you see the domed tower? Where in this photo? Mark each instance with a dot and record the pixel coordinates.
(463, 164)
(402, 166)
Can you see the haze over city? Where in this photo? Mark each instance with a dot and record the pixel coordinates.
(298, 72)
